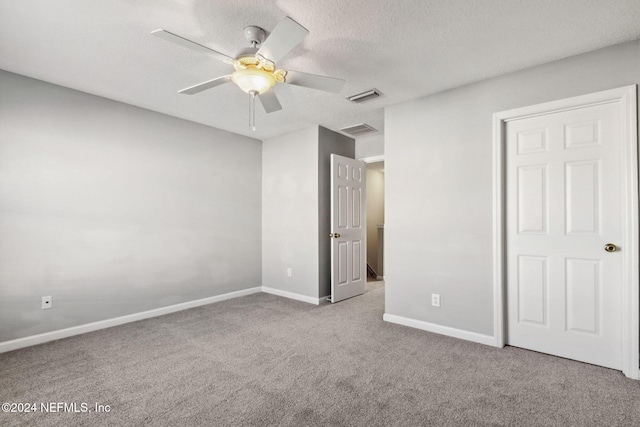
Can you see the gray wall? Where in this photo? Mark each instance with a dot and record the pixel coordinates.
(438, 171)
(329, 142)
(114, 210)
(370, 146)
(290, 212)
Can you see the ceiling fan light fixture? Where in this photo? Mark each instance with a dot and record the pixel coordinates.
(253, 80)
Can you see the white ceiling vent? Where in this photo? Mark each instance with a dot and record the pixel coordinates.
(358, 130)
(364, 96)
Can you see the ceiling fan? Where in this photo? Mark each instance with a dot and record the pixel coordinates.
(255, 68)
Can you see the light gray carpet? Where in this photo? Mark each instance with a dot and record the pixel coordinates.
(263, 360)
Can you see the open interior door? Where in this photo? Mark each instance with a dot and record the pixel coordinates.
(348, 228)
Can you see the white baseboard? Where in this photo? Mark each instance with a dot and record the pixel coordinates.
(103, 324)
(291, 295)
(439, 329)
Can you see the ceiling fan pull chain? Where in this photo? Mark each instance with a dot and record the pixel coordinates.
(252, 110)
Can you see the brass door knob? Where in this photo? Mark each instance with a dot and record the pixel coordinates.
(610, 247)
(336, 235)
(330, 235)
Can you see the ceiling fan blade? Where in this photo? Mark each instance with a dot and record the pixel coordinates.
(269, 101)
(327, 84)
(205, 85)
(174, 38)
(287, 35)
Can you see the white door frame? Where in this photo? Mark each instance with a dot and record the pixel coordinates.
(626, 98)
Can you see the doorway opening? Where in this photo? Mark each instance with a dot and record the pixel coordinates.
(375, 220)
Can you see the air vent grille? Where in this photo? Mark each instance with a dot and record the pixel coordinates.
(358, 130)
(364, 96)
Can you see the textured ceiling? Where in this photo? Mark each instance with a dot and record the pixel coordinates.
(406, 49)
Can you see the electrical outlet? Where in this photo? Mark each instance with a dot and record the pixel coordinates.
(435, 300)
(47, 302)
(289, 272)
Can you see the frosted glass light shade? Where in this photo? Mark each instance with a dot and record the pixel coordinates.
(253, 79)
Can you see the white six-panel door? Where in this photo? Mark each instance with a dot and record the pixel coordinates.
(563, 203)
(348, 228)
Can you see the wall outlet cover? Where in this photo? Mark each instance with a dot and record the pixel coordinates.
(435, 300)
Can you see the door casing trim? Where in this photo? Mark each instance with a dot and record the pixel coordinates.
(627, 99)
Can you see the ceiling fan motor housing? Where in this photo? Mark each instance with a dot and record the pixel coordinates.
(254, 73)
